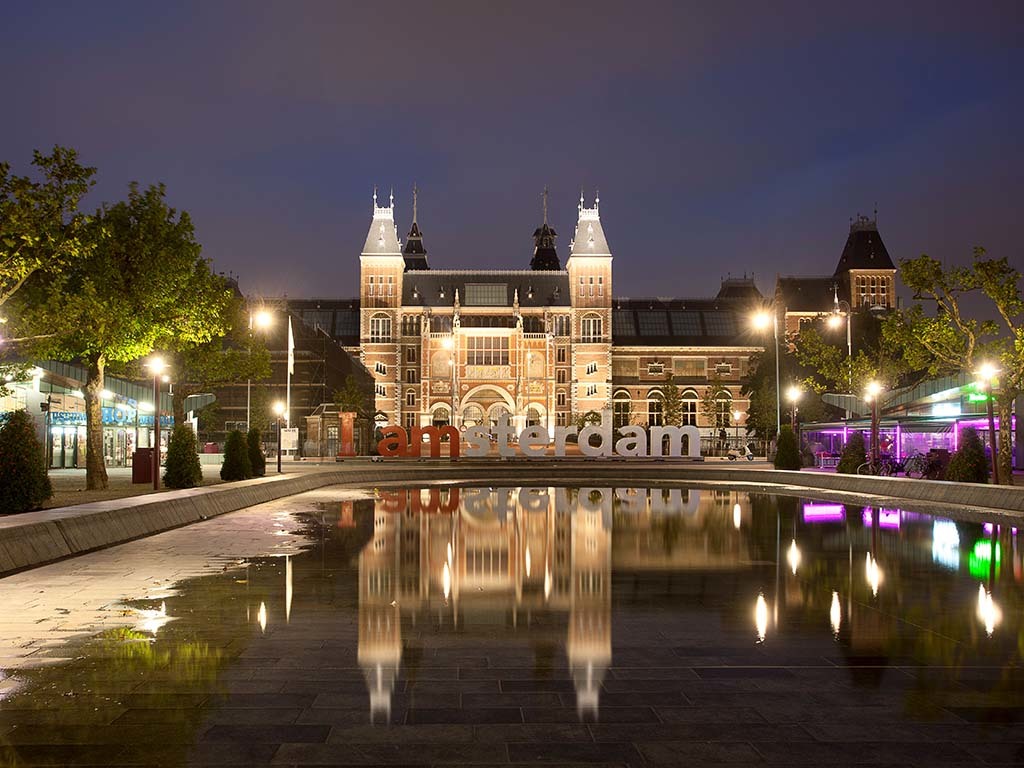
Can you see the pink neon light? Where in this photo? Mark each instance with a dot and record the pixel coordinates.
(887, 518)
(824, 513)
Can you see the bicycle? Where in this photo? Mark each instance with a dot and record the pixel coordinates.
(885, 467)
(916, 466)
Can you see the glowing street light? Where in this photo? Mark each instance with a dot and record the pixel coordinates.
(762, 321)
(259, 320)
(793, 395)
(156, 366)
(988, 373)
(871, 392)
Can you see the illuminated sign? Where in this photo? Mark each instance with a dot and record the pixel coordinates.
(634, 441)
(824, 513)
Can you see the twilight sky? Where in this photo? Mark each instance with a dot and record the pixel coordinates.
(725, 137)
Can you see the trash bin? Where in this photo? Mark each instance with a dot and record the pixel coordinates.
(142, 465)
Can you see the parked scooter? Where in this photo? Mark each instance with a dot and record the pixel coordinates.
(734, 454)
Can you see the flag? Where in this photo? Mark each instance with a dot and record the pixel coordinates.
(291, 348)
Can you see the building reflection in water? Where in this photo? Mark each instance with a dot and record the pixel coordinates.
(469, 553)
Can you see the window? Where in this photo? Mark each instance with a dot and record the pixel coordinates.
(410, 398)
(720, 323)
(685, 323)
(690, 366)
(381, 369)
(623, 323)
(560, 355)
(441, 417)
(689, 398)
(655, 409)
(625, 368)
(487, 350)
(486, 295)
(560, 398)
(723, 369)
(411, 376)
(532, 416)
(381, 390)
(391, 285)
(410, 420)
(560, 419)
(621, 409)
(380, 328)
(561, 325)
(591, 283)
(723, 410)
(590, 329)
(561, 376)
(411, 325)
(591, 390)
(410, 354)
(600, 286)
(582, 288)
(655, 369)
(591, 369)
(653, 323)
(472, 415)
(371, 290)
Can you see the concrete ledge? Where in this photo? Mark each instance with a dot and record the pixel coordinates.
(37, 538)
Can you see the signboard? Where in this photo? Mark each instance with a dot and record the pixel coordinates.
(290, 439)
(347, 445)
(634, 441)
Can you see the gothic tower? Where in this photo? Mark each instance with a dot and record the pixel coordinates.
(415, 253)
(545, 257)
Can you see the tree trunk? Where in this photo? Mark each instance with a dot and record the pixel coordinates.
(178, 405)
(95, 466)
(1005, 408)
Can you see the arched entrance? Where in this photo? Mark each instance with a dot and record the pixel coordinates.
(485, 404)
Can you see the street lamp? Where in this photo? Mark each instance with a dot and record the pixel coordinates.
(260, 320)
(449, 344)
(279, 408)
(793, 395)
(156, 367)
(871, 393)
(841, 309)
(736, 416)
(761, 321)
(987, 373)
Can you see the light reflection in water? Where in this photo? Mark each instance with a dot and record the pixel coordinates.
(793, 556)
(835, 614)
(261, 617)
(736, 516)
(873, 573)
(761, 617)
(287, 589)
(989, 614)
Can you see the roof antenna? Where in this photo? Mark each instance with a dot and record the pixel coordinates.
(545, 206)
(876, 212)
(375, 196)
(414, 194)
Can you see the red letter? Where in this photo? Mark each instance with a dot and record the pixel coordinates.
(393, 443)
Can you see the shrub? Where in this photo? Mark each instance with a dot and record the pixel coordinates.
(787, 453)
(257, 460)
(854, 454)
(183, 469)
(236, 464)
(969, 464)
(24, 484)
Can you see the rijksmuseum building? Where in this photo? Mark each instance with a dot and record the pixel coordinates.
(550, 342)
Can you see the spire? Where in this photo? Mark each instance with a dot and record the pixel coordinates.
(589, 239)
(382, 239)
(545, 257)
(415, 252)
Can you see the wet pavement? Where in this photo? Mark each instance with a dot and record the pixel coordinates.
(502, 626)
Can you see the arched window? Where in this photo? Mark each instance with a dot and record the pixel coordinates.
(440, 416)
(380, 328)
(472, 415)
(622, 407)
(591, 328)
(723, 409)
(535, 415)
(410, 398)
(655, 408)
(690, 399)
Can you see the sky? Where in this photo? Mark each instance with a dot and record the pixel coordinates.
(725, 137)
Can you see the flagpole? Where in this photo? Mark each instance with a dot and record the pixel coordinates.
(291, 366)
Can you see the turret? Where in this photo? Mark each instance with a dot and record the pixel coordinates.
(415, 252)
(545, 257)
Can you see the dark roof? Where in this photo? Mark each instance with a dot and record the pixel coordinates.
(415, 252)
(808, 294)
(683, 322)
(864, 248)
(339, 317)
(485, 288)
(545, 256)
(739, 288)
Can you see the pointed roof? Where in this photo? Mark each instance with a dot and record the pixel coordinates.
(415, 252)
(382, 239)
(864, 247)
(589, 239)
(545, 256)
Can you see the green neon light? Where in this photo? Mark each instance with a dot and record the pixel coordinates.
(980, 561)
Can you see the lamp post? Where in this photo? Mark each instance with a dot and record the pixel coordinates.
(987, 373)
(736, 415)
(449, 344)
(279, 409)
(833, 322)
(156, 366)
(761, 321)
(260, 320)
(793, 395)
(871, 393)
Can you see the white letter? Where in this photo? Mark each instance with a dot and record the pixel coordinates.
(533, 441)
(633, 441)
(561, 433)
(503, 432)
(675, 441)
(604, 448)
(479, 440)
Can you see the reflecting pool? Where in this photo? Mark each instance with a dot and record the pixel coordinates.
(617, 626)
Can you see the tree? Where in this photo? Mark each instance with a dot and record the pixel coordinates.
(24, 484)
(354, 398)
(787, 455)
(825, 363)
(138, 284)
(183, 468)
(969, 464)
(952, 341)
(236, 464)
(40, 225)
(671, 402)
(257, 460)
(197, 367)
(714, 393)
(854, 454)
(759, 387)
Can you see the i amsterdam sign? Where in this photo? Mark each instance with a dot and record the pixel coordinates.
(534, 442)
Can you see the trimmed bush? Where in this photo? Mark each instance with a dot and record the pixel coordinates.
(969, 464)
(257, 460)
(236, 464)
(854, 454)
(183, 469)
(787, 453)
(24, 484)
